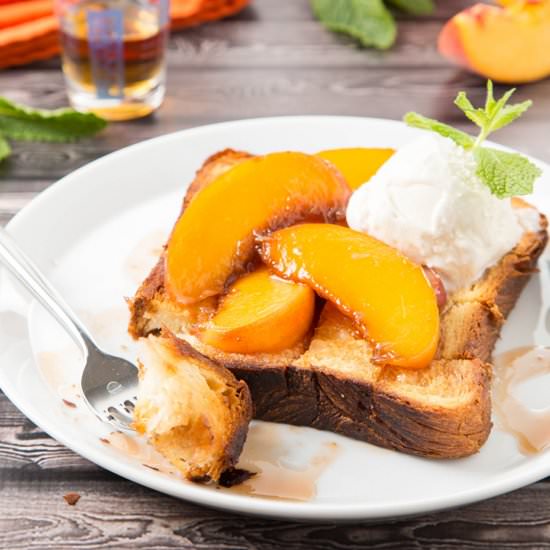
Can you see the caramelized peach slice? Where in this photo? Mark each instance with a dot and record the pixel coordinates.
(261, 313)
(357, 164)
(214, 237)
(387, 295)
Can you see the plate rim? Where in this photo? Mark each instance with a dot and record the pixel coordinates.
(244, 504)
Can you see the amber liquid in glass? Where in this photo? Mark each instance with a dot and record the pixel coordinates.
(135, 62)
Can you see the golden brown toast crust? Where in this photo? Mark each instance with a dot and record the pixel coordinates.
(214, 166)
(303, 387)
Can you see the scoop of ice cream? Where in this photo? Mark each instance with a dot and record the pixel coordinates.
(427, 201)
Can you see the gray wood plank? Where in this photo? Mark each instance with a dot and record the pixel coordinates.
(113, 513)
(198, 96)
(25, 447)
(245, 44)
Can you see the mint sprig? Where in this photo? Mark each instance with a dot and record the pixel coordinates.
(22, 123)
(495, 114)
(506, 174)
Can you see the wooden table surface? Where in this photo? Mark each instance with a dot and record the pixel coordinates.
(272, 59)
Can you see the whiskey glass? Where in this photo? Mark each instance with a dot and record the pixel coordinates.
(114, 55)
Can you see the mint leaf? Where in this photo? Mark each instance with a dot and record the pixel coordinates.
(499, 113)
(27, 124)
(506, 174)
(495, 114)
(414, 7)
(418, 121)
(5, 149)
(368, 21)
(509, 113)
(477, 116)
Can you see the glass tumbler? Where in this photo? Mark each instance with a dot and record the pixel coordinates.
(113, 54)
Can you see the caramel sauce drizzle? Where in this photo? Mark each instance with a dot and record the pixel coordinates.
(530, 426)
(276, 478)
(140, 450)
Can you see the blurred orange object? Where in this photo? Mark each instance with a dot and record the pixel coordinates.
(508, 43)
(20, 12)
(28, 28)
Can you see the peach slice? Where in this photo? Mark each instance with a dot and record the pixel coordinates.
(357, 164)
(261, 313)
(214, 238)
(387, 295)
(506, 44)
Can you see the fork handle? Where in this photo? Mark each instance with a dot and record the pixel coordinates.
(28, 274)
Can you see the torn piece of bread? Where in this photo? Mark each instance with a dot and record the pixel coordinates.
(193, 411)
(330, 382)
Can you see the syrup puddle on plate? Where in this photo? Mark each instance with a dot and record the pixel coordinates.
(276, 475)
(529, 425)
(137, 448)
(265, 454)
(54, 366)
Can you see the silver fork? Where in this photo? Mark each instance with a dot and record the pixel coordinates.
(109, 383)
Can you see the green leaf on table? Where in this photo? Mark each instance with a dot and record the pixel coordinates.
(5, 149)
(368, 21)
(27, 124)
(414, 7)
(506, 174)
(458, 136)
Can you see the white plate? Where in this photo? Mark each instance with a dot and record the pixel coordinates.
(95, 233)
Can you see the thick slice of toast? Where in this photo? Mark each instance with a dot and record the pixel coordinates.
(329, 381)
